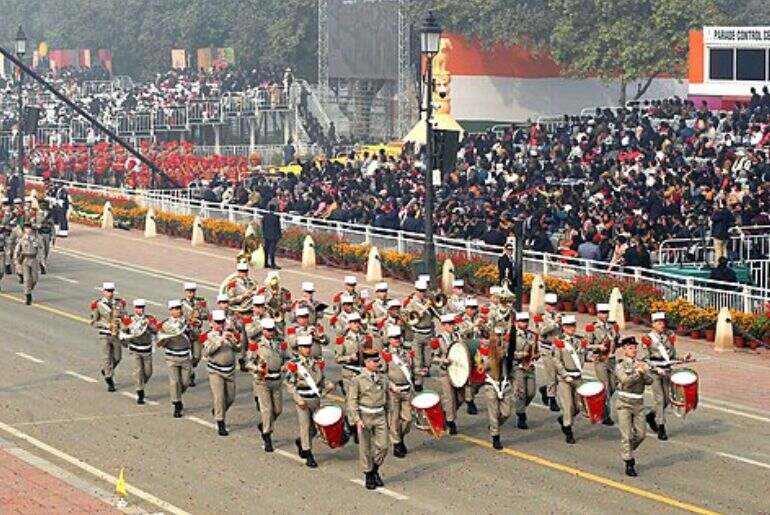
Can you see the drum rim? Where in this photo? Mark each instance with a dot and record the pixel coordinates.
(684, 372)
(423, 395)
(326, 409)
(591, 383)
(454, 365)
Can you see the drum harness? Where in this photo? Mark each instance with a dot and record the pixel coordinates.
(312, 387)
(575, 359)
(404, 370)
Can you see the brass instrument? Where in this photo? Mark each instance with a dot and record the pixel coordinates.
(533, 354)
(247, 304)
(114, 318)
(250, 245)
(495, 357)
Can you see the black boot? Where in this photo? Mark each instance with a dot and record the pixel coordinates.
(397, 451)
(496, 442)
(552, 405)
(110, 384)
(267, 438)
(651, 421)
(140, 396)
(192, 379)
(560, 420)
(242, 364)
(376, 476)
(472, 408)
(177, 410)
(404, 449)
(222, 430)
(298, 443)
(8, 269)
(522, 421)
(28, 299)
(21, 279)
(351, 431)
(42, 269)
(310, 460)
(543, 395)
(418, 388)
(369, 482)
(608, 421)
(452, 428)
(631, 468)
(662, 432)
(570, 438)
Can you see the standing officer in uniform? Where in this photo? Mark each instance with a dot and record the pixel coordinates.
(549, 327)
(380, 303)
(569, 358)
(173, 339)
(307, 385)
(264, 360)
(496, 388)
(137, 334)
(347, 353)
(632, 377)
(367, 400)
(26, 252)
(451, 397)
(196, 312)
(106, 314)
(422, 330)
(220, 348)
(603, 335)
(399, 368)
(526, 353)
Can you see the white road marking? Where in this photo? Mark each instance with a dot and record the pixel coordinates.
(160, 503)
(201, 421)
(744, 460)
(54, 421)
(33, 359)
(132, 396)
(153, 303)
(65, 279)
(734, 412)
(80, 376)
(291, 456)
(384, 491)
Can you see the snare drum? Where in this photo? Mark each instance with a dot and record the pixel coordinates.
(684, 391)
(330, 425)
(592, 397)
(427, 413)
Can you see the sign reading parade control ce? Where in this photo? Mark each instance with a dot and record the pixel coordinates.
(737, 36)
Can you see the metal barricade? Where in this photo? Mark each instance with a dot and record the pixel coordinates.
(204, 112)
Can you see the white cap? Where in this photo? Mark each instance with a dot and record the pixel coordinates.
(568, 320)
(176, 303)
(551, 298)
(190, 286)
(350, 280)
(108, 286)
(394, 331)
(424, 277)
(258, 300)
(140, 303)
(394, 303)
(267, 323)
(658, 315)
(218, 315)
(458, 283)
(354, 317)
(346, 299)
(603, 307)
(304, 340)
(242, 266)
(420, 285)
(471, 302)
(223, 298)
(308, 286)
(302, 311)
(380, 286)
(522, 315)
(447, 319)
(495, 290)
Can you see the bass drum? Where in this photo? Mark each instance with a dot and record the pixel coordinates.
(459, 369)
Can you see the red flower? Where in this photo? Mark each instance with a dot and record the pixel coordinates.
(386, 356)
(321, 365)
(484, 351)
(484, 310)
(672, 339)
(94, 303)
(380, 323)
(337, 298)
(590, 328)
(320, 329)
(406, 301)
(368, 338)
(646, 340)
(559, 343)
(284, 346)
(584, 343)
(291, 331)
(203, 337)
(339, 340)
(434, 344)
(126, 321)
(538, 318)
(231, 284)
(247, 319)
(458, 319)
(291, 367)
(369, 306)
(333, 320)
(253, 346)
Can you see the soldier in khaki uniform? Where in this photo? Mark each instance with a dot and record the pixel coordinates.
(242, 287)
(393, 318)
(44, 228)
(569, 357)
(106, 314)
(137, 334)
(472, 327)
(196, 312)
(548, 326)
(451, 397)
(632, 377)
(220, 348)
(340, 321)
(302, 327)
(251, 326)
(265, 360)
(350, 290)
(500, 311)
(4, 236)
(496, 389)
(660, 353)
(422, 331)
(307, 301)
(6, 227)
(380, 302)
(367, 403)
(456, 301)
(526, 353)
(307, 385)
(400, 370)
(347, 353)
(603, 336)
(26, 252)
(173, 339)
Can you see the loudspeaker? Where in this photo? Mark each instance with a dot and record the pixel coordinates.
(31, 117)
(445, 146)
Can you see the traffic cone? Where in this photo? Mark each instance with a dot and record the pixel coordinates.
(617, 312)
(537, 295)
(447, 276)
(150, 231)
(197, 232)
(308, 253)
(374, 266)
(723, 340)
(107, 221)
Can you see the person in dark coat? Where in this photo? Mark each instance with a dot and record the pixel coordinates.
(723, 272)
(271, 232)
(721, 222)
(505, 268)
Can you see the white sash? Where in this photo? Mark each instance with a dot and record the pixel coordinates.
(573, 354)
(662, 349)
(305, 376)
(403, 368)
(500, 387)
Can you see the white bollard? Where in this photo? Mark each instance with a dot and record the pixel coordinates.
(150, 230)
(374, 266)
(537, 295)
(617, 311)
(107, 222)
(447, 276)
(308, 253)
(258, 258)
(723, 339)
(197, 232)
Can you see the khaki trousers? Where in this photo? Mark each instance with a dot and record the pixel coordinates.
(372, 440)
(112, 351)
(307, 429)
(142, 369)
(451, 397)
(568, 398)
(498, 410)
(549, 377)
(661, 395)
(399, 414)
(631, 424)
(179, 370)
(30, 270)
(422, 354)
(222, 393)
(523, 388)
(605, 372)
(269, 395)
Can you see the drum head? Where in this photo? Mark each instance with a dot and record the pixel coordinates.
(327, 415)
(460, 368)
(425, 400)
(684, 377)
(590, 388)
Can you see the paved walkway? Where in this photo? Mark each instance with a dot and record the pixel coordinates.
(734, 378)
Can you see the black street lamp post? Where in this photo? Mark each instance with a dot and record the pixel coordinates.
(21, 49)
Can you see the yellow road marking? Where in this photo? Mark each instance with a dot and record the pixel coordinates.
(483, 443)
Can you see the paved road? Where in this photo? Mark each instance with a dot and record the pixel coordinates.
(53, 404)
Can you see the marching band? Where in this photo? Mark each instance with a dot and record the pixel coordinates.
(387, 348)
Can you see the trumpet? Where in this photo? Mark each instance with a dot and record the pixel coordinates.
(114, 319)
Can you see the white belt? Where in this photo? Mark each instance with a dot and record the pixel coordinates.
(401, 388)
(178, 353)
(422, 330)
(574, 374)
(629, 395)
(352, 368)
(140, 348)
(371, 411)
(273, 375)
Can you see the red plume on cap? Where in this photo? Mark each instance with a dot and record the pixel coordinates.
(559, 343)
(484, 351)
(672, 339)
(590, 328)
(646, 340)
(291, 367)
(386, 356)
(337, 298)
(93, 304)
(538, 318)
(434, 344)
(333, 320)
(246, 319)
(291, 331)
(412, 354)
(126, 320)
(339, 340)
(368, 338)
(203, 337)
(321, 365)
(484, 310)
(406, 301)
(584, 343)
(284, 346)
(253, 346)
